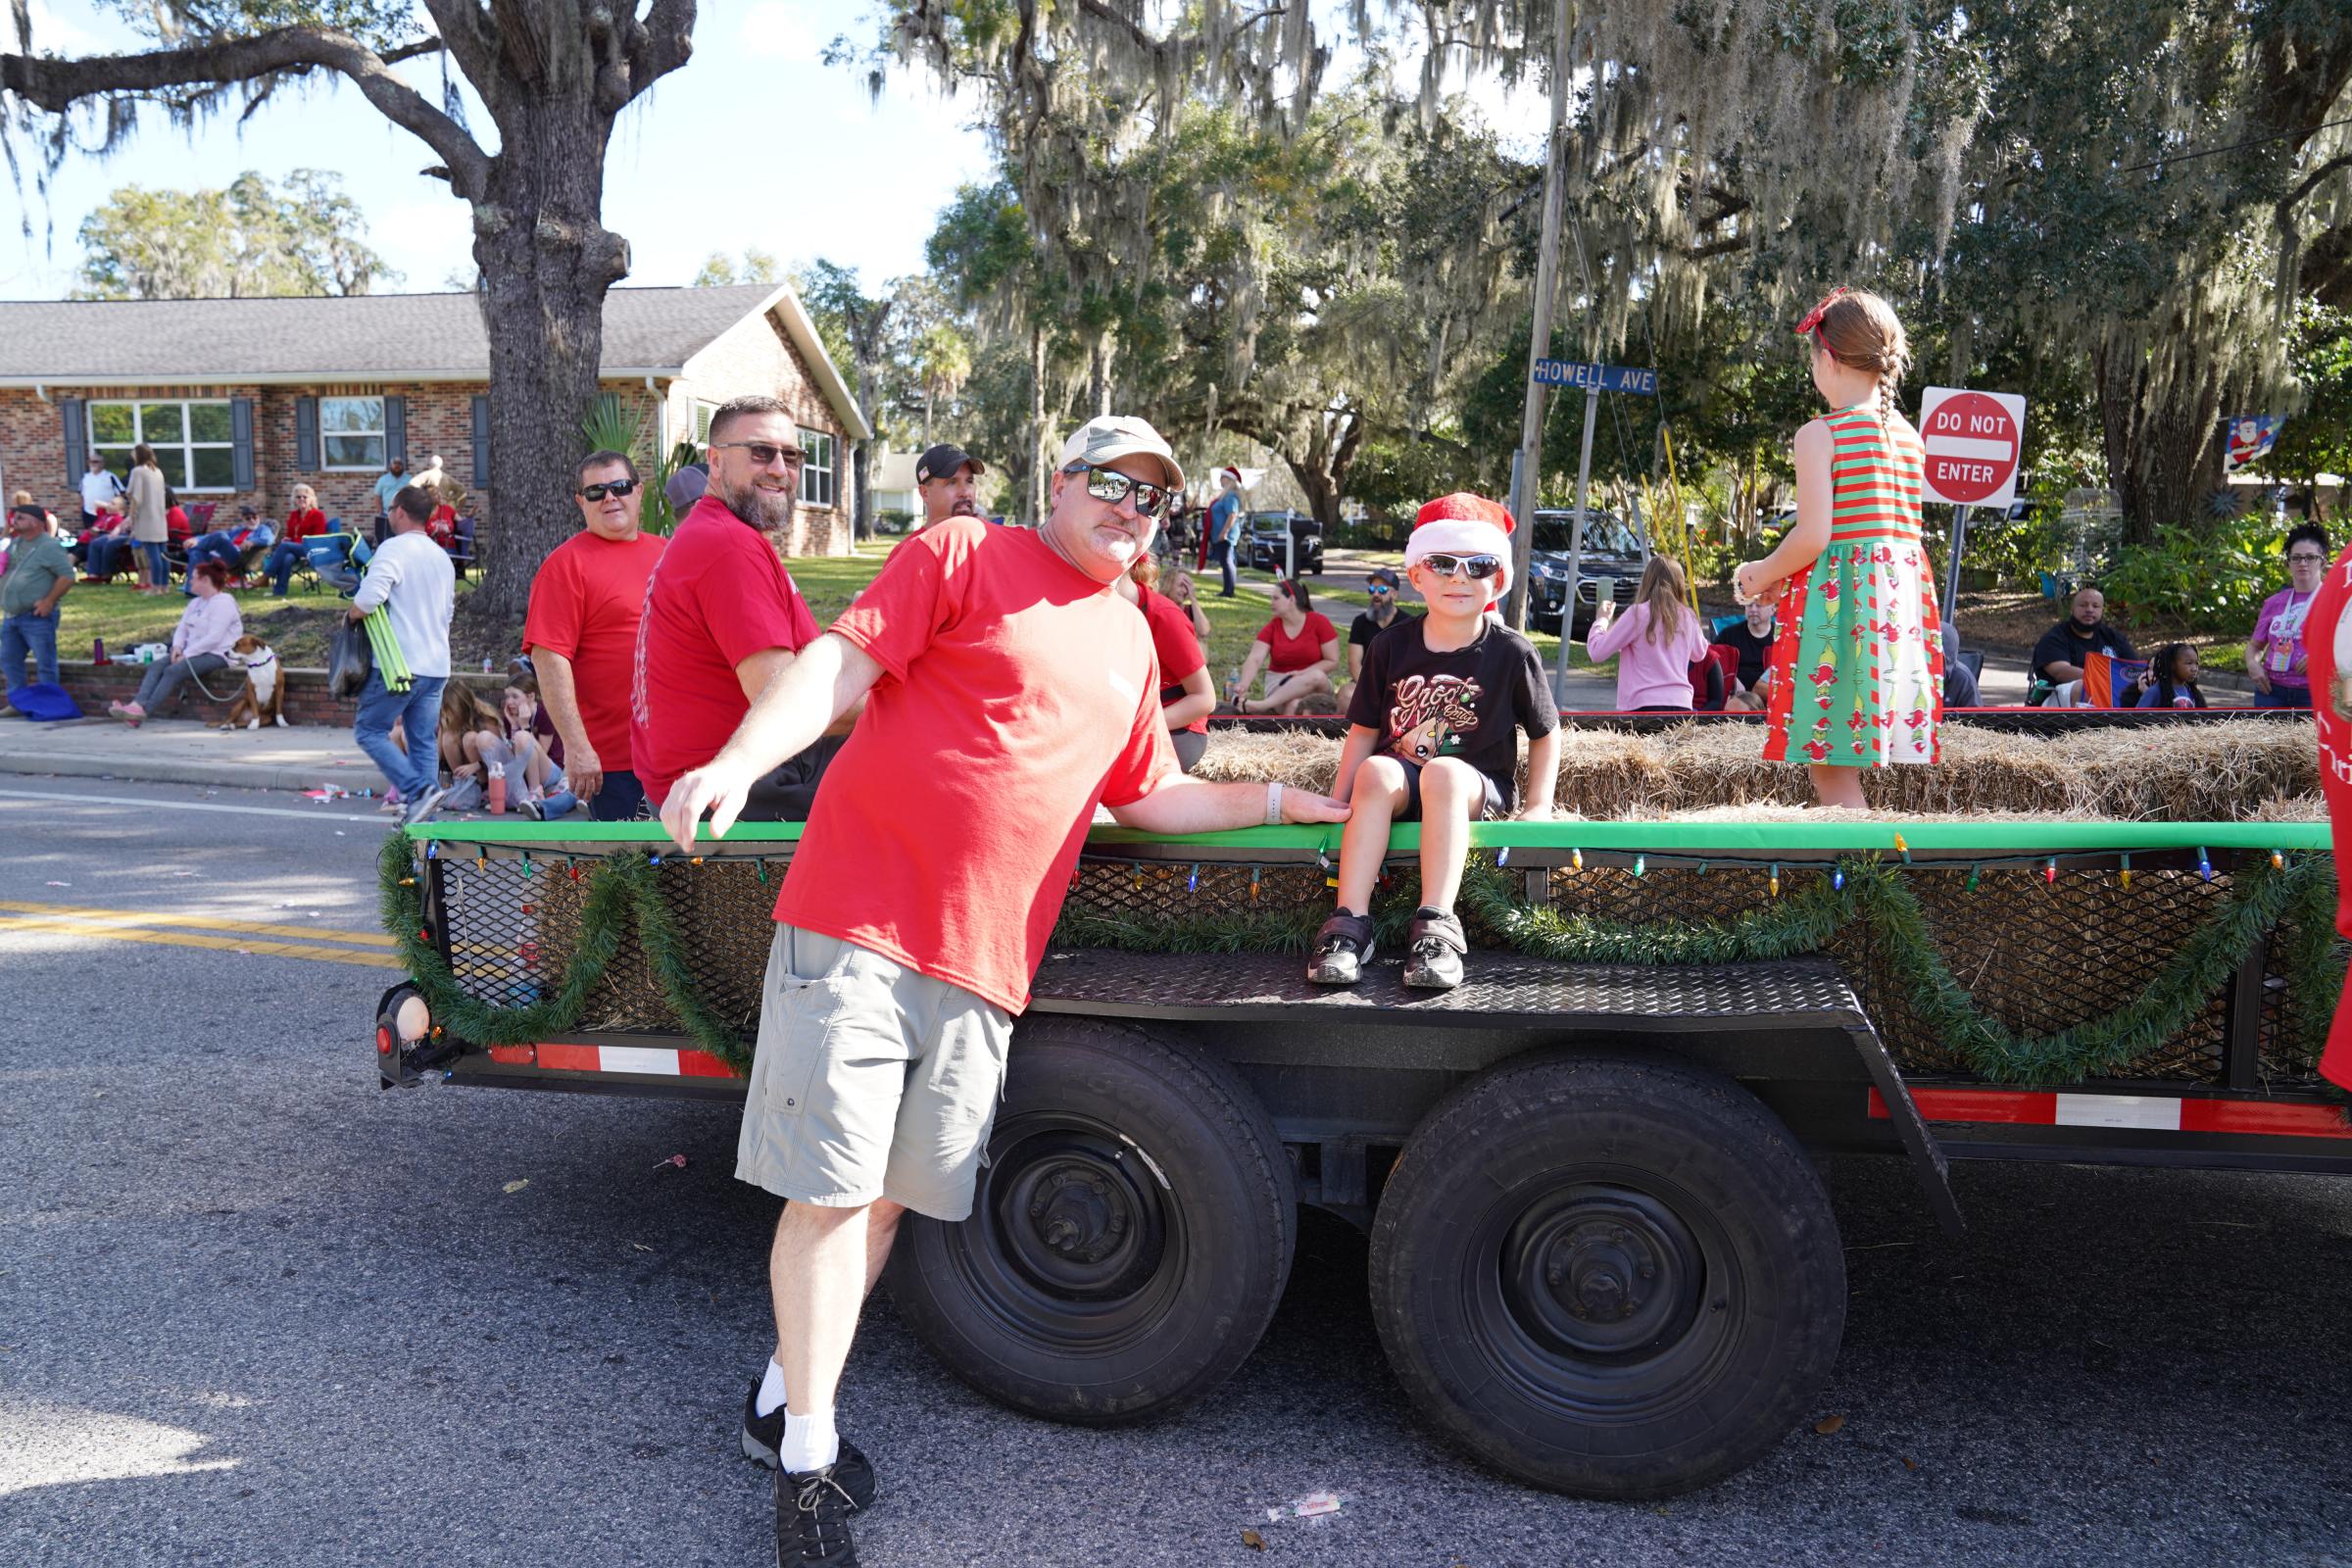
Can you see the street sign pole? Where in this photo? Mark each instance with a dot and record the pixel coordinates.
(1527, 479)
(1951, 569)
(1576, 544)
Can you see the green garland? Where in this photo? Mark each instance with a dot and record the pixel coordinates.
(621, 888)
(2297, 897)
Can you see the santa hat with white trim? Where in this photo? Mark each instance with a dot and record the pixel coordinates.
(1465, 524)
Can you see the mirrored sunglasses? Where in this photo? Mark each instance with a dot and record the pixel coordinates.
(1379, 590)
(1479, 568)
(614, 487)
(1112, 486)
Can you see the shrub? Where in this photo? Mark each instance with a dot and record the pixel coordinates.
(2211, 578)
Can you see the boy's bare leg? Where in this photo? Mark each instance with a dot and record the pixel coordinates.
(1373, 801)
(1452, 793)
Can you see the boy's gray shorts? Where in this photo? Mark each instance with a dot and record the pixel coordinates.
(870, 1081)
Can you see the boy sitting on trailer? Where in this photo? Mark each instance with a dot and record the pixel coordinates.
(1433, 737)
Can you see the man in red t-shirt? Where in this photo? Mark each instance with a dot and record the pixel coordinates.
(1009, 690)
(581, 633)
(722, 617)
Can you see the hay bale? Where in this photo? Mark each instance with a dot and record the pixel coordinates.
(2226, 771)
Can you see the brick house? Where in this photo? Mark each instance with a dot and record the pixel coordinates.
(244, 399)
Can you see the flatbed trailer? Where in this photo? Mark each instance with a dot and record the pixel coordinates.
(1601, 1258)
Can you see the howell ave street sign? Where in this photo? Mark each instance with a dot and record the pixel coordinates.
(1596, 377)
(1974, 440)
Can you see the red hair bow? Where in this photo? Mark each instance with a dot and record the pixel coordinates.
(1813, 316)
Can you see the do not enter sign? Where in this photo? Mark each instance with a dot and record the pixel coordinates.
(1974, 440)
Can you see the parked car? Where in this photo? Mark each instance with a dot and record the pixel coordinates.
(1614, 552)
(1262, 544)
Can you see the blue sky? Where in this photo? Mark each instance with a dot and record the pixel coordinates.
(815, 166)
(756, 142)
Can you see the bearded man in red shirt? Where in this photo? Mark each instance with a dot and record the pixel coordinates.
(1009, 690)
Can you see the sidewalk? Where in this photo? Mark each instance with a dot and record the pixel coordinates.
(184, 751)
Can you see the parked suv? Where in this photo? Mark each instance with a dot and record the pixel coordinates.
(1262, 544)
(1614, 552)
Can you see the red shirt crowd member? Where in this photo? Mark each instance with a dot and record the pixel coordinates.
(721, 615)
(1008, 691)
(1299, 648)
(581, 633)
(1186, 696)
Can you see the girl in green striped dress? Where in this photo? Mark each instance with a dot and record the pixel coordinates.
(1856, 674)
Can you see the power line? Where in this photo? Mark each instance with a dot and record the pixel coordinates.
(2236, 146)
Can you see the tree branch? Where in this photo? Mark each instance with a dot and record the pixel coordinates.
(665, 43)
(57, 84)
(464, 27)
(2294, 198)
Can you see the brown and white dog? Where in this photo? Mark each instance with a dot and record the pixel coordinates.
(263, 697)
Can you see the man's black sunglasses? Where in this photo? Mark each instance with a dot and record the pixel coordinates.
(614, 487)
(1109, 484)
(763, 453)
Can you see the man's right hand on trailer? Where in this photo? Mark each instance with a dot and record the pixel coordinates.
(1008, 691)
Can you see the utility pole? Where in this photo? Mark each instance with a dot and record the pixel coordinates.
(1527, 480)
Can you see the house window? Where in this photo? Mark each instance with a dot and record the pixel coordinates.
(817, 469)
(194, 443)
(351, 432)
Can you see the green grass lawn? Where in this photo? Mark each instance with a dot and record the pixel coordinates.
(298, 626)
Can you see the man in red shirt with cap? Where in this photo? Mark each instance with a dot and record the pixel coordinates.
(1008, 691)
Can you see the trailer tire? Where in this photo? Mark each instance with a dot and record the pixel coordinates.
(1613, 1277)
(1129, 1240)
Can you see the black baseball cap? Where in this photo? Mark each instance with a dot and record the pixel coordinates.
(249, 510)
(941, 462)
(1381, 574)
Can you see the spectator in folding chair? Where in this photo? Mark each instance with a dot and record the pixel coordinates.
(231, 546)
(303, 520)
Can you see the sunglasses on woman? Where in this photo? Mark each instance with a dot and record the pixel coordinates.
(1479, 568)
(1111, 486)
(614, 487)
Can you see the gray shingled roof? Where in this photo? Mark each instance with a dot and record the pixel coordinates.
(367, 337)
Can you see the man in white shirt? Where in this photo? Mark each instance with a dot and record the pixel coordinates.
(412, 577)
(99, 488)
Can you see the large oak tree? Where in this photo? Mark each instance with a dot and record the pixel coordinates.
(553, 76)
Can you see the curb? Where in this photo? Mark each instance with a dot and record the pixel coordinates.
(233, 775)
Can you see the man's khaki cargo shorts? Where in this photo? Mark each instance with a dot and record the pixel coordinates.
(870, 1081)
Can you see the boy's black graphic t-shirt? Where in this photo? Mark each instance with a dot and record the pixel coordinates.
(1467, 702)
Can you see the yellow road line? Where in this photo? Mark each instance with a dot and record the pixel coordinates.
(216, 944)
(372, 939)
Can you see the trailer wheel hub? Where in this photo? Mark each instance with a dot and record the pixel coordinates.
(1602, 1273)
(1077, 1226)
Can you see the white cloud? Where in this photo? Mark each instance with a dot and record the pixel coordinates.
(773, 30)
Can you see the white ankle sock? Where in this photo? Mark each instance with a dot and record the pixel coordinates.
(810, 1442)
(772, 1389)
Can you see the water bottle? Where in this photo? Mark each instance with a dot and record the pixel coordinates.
(98, 652)
(498, 789)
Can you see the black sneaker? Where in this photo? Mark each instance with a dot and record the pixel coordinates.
(1342, 949)
(813, 1520)
(763, 1434)
(1437, 946)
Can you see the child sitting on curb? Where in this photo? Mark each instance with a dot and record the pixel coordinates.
(1433, 736)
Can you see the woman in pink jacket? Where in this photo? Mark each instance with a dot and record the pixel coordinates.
(208, 630)
(1656, 645)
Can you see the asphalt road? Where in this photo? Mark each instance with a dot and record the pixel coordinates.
(255, 1311)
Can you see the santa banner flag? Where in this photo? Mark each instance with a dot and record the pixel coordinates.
(2328, 635)
(2251, 436)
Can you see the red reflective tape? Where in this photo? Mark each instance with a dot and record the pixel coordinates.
(570, 1058)
(2036, 1107)
(2264, 1118)
(514, 1056)
(2261, 1119)
(703, 1064)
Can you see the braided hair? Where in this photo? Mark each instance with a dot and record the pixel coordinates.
(1861, 331)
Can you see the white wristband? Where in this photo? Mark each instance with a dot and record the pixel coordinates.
(1273, 806)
